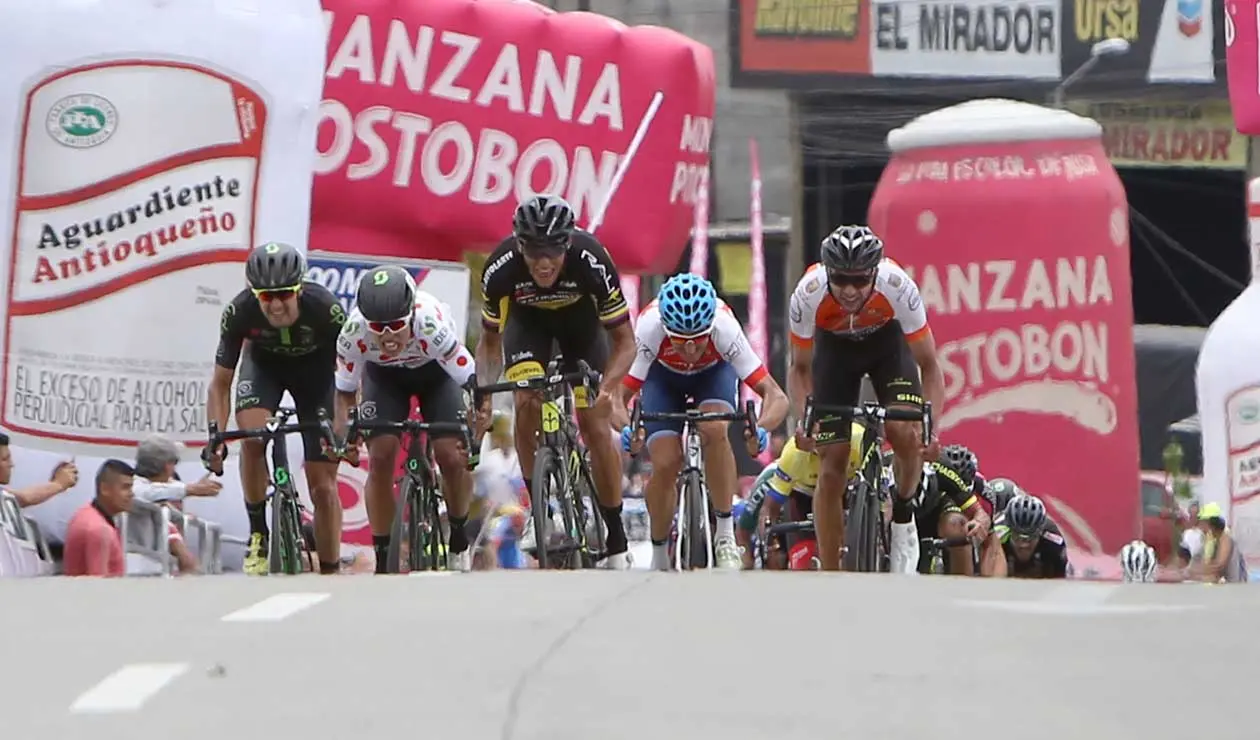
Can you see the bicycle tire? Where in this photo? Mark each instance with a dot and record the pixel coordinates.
(284, 551)
(584, 490)
(545, 465)
(402, 527)
(434, 547)
(697, 558)
(854, 522)
(870, 535)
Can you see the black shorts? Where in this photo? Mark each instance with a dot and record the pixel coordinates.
(263, 379)
(532, 335)
(840, 364)
(387, 394)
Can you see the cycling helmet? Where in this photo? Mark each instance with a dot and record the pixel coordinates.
(274, 265)
(688, 304)
(1026, 514)
(386, 293)
(1000, 491)
(852, 249)
(1138, 561)
(544, 220)
(960, 460)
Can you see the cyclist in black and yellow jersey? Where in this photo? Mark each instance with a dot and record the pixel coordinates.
(950, 505)
(552, 285)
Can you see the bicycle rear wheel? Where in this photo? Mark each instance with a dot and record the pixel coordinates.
(696, 544)
(546, 470)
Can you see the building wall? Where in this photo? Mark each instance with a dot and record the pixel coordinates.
(741, 114)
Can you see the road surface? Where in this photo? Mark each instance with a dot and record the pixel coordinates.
(598, 655)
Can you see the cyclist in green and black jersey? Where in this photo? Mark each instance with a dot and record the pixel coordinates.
(291, 326)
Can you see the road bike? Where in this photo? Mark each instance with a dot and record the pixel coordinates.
(562, 470)
(865, 530)
(286, 544)
(694, 545)
(935, 547)
(417, 533)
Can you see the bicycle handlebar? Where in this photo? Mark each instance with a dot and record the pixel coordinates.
(276, 426)
(695, 416)
(777, 530)
(869, 412)
(411, 426)
(937, 543)
(584, 377)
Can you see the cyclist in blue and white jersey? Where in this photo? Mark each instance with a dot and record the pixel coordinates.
(691, 346)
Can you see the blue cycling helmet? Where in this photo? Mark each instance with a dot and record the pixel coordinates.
(688, 304)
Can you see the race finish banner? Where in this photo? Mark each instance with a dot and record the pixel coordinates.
(1168, 134)
(863, 44)
(340, 273)
(439, 118)
(139, 181)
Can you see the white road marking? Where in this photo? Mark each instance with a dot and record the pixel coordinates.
(276, 608)
(128, 688)
(1075, 599)
(430, 573)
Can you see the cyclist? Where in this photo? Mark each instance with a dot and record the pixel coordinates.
(856, 313)
(552, 284)
(1139, 562)
(949, 507)
(292, 326)
(691, 346)
(1032, 544)
(791, 480)
(402, 343)
(999, 492)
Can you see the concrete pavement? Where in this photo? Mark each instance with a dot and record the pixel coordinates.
(635, 655)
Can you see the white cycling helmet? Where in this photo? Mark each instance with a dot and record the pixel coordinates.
(1139, 562)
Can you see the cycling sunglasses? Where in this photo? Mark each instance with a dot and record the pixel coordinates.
(267, 295)
(854, 279)
(535, 250)
(1025, 537)
(689, 341)
(380, 327)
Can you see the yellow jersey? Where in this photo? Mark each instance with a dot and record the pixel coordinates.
(797, 470)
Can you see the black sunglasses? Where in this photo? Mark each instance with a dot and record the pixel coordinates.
(857, 280)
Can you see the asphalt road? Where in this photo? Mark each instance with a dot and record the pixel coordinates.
(560, 656)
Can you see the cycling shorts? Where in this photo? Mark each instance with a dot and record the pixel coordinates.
(531, 336)
(666, 392)
(388, 390)
(264, 378)
(840, 363)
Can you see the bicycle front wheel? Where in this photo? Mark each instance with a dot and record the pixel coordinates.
(285, 551)
(697, 544)
(403, 532)
(855, 535)
(546, 470)
(588, 517)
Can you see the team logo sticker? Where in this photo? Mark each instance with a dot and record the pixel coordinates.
(82, 121)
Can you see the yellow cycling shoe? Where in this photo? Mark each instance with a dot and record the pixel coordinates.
(256, 558)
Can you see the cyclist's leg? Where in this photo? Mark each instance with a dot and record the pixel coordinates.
(927, 524)
(584, 338)
(385, 397)
(895, 377)
(837, 373)
(258, 393)
(442, 401)
(312, 390)
(659, 395)
(715, 390)
(527, 340)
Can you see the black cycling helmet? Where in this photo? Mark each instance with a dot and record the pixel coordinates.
(960, 460)
(851, 249)
(1025, 514)
(386, 293)
(1000, 491)
(545, 221)
(274, 265)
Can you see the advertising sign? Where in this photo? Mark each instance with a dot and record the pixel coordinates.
(446, 281)
(1021, 254)
(141, 176)
(1169, 41)
(804, 36)
(968, 39)
(1242, 54)
(438, 118)
(1168, 134)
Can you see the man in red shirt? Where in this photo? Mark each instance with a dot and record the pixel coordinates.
(93, 544)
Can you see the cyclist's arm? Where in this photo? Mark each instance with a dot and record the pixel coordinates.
(1057, 566)
(604, 283)
(924, 351)
(802, 313)
(228, 354)
(647, 341)
(620, 356)
(451, 354)
(350, 361)
(737, 350)
(993, 557)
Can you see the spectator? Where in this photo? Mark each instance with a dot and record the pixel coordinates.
(1222, 561)
(157, 483)
(64, 477)
(93, 544)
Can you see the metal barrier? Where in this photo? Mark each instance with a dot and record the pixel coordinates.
(146, 531)
(23, 550)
